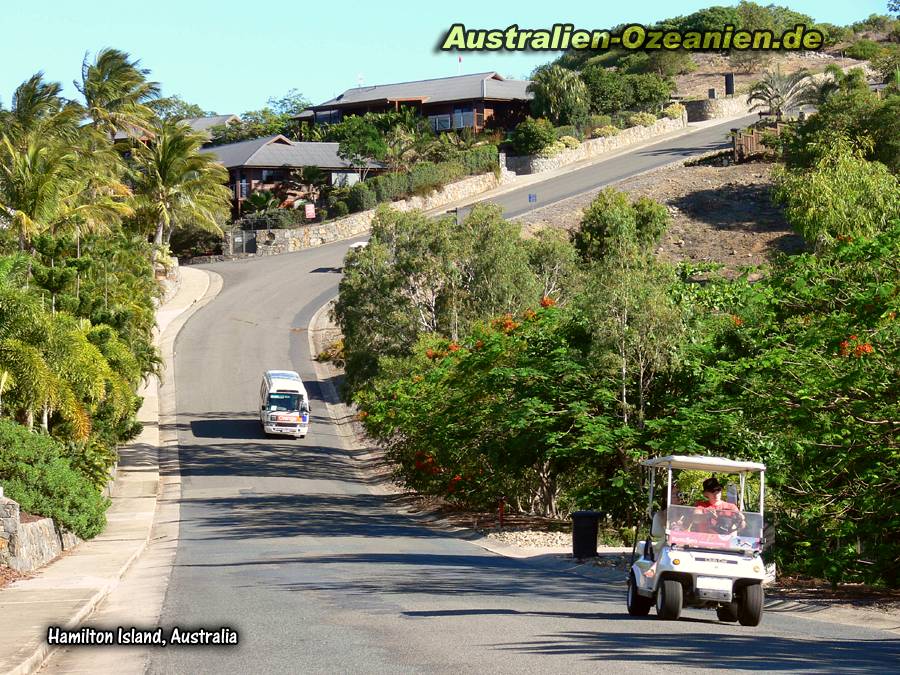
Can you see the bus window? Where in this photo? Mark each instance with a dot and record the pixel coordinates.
(284, 401)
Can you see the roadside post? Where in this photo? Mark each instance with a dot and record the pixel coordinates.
(532, 199)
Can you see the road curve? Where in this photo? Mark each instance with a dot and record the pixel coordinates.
(284, 541)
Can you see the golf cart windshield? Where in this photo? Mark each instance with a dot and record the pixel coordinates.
(698, 527)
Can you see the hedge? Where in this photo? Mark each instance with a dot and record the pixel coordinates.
(641, 119)
(390, 187)
(480, 159)
(422, 179)
(426, 177)
(362, 198)
(36, 473)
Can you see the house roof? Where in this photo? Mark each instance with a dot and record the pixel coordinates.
(489, 85)
(278, 151)
(205, 123)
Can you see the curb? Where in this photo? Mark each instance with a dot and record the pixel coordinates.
(164, 342)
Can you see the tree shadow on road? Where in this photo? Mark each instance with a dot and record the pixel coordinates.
(721, 650)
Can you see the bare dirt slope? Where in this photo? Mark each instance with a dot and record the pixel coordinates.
(711, 69)
(721, 214)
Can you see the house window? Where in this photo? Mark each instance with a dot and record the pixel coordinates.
(441, 122)
(328, 116)
(272, 175)
(463, 116)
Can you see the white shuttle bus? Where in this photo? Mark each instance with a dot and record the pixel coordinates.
(283, 404)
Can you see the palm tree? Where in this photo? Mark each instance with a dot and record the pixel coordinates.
(35, 173)
(780, 93)
(39, 104)
(117, 93)
(176, 185)
(559, 95)
(47, 183)
(260, 201)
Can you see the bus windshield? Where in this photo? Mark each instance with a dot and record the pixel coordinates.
(286, 401)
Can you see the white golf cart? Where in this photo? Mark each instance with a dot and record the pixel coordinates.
(701, 557)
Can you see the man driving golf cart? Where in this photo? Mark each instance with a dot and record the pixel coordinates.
(706, 555)
(715, 514)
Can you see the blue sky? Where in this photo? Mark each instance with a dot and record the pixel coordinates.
(231, 57)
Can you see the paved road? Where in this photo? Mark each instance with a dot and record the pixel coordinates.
(284, 541)
(515, 203)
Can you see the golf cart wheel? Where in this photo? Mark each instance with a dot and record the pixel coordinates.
(728, 612)
(638, 605)
(750, 608)
(668, 600)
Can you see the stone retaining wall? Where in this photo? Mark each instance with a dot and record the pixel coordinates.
(25, 547)
(274, 242)
(716, 108)
(528, 164)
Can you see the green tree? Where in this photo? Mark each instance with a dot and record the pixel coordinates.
(843, 196)
(613, 226)
(559, 95)
(175, 184)
(117, 94)
(421, 276)
(174, 108)
(360, 142)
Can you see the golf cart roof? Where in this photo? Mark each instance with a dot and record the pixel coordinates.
(703, 463)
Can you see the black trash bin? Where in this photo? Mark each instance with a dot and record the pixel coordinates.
(584, 533)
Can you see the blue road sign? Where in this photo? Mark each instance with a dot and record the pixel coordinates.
(532, 198)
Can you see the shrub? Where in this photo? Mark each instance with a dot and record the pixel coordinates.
(570, 142)
(599, 121)
(362, 198)
(426, 177)
(674, 111)
(276, 219)
(340, 209)
(481, 159)
(390, 187)
(568, 130)
(842, 197)
(36, 473)
(613, 224)
(605, 131)
(552, 150)
(641, 119)
(863, 50)
(532, 136)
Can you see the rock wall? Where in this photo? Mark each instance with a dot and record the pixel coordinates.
(528, 164)
(26, 546)
(274, 242)
(716, 108)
